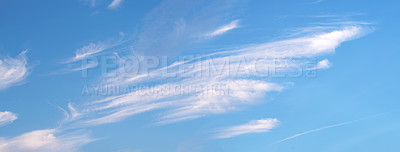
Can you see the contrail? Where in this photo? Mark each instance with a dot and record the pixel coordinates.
(336, 125)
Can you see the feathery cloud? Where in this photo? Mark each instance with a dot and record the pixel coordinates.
(335, 125)
(87, 51)
(13, 70)
(223, 29)
(254, 126)
(93, 49)
(115, 4)
(7, 117)
(175, 26)
(229, 68)
(311, 131)
(45, 141)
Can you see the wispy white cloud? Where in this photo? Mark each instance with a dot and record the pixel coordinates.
(335, 125)
(7, 117)
(13, 70)
(223, 29)
(159, 36)
(242, 89)
(175, 25)
(94, 49)
(87, 55)
(254, 126)
(87, 51)
(115, 4)
(45, 141)
(311, 131)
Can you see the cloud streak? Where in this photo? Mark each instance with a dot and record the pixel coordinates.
(234, 69)
(88, 53)
(313, 130)
(45, 141)
(254, 126)
(223, 29)
(13, 70)
(333, 126)
(7, 117)
(175, 26)
(115, 4)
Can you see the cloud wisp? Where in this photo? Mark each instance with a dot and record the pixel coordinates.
(45, 141)
(115, 4)
(244, 65)
(313, 130)
(223, 29)
(175, 26)
(254, 126)
(13, 70)
(333, 126)
(87, 53)
(7, 117)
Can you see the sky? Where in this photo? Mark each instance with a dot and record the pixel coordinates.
(199, 76)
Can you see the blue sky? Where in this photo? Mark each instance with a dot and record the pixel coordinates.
(220, 75)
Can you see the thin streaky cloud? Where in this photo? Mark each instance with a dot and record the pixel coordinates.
(94, 49)
(335, 125)
(345, 23)
(242, 90)
(338, 16)
(87, 51)
(254, 126)
(7, 117)
(314, 130)
(85, 57)
(115, 4)
(198, 61)
(223, 29)
(46, 140)
(13, 70)
(170, 27)
(85, 66)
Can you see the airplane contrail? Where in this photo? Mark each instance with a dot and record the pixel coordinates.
(336, 125)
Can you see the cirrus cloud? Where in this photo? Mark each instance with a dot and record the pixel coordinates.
(45, 141)
(7, 117)
(13, 70)
(254, 126)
